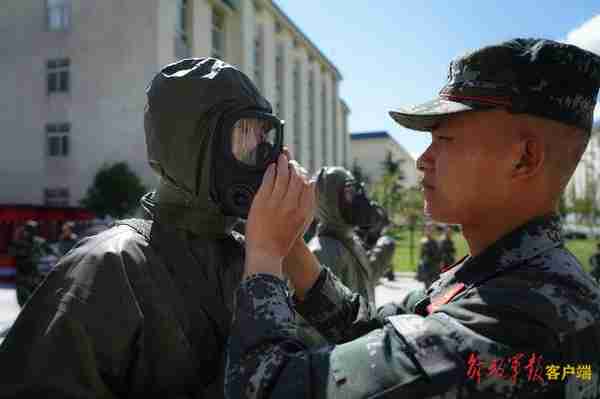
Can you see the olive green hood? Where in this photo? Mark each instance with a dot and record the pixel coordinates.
(186, 101)
(330, 183)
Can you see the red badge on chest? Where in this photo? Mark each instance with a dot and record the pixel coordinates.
(444, 297)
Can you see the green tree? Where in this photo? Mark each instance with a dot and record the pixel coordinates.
(388, 189)
(115, 191)
(412, 210)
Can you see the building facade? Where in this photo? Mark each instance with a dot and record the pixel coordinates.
(585, 182)
(369, 150)
(79, 69)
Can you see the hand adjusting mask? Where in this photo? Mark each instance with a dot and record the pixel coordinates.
(249, 140)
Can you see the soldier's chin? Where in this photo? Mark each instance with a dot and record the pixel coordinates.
(436, 214)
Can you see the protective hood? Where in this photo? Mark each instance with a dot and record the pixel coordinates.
(186, 101)
(330, 182)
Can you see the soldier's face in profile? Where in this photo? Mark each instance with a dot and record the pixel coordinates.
(467, 167)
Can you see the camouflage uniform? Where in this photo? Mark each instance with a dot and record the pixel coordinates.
(523, 304)
(429, 265)
(27, 252)
(595, 265)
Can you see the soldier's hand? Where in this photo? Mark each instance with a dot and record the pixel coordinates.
(281, 210)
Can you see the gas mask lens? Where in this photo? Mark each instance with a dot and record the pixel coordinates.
(253, 141)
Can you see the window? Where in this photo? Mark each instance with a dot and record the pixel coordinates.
(297, 113)
(57, 73)
(57, 138)
(58, 14)
(218, 34)
(58, 196)
(258, 54)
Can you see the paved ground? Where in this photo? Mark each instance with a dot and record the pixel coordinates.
(385, 292)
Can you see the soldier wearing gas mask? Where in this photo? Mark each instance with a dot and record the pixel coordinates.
(145, 307)
(380, 247)
(342, 207)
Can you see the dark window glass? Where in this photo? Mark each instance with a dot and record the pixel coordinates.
(64, 81)
(65, 145)
(54, 146)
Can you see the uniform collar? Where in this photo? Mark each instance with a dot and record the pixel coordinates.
(535, 237)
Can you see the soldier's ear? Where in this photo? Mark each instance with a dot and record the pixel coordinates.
(529, 158)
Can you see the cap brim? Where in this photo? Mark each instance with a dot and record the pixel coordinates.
(426, 116)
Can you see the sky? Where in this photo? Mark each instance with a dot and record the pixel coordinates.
(396, 53)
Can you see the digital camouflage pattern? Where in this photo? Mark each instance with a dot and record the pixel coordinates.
(540, 77)
(143, 309)
(595, 265)
(336, 244)
(525, 297)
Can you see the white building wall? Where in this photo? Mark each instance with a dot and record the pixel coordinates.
(588, 168)
(115, 48)
(105, 114)
(370, 153)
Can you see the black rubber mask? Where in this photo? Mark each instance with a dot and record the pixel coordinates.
(246, 143)
(355, 206)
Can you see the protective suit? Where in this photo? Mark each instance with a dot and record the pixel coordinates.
(336, 243)
(379, 246)
(144, 308)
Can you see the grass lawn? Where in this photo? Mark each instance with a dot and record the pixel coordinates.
(582, 249)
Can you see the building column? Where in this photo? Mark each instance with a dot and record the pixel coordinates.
(201, 28)
(303, 112)
(166, 17)
(267, 54)
(288, 89)
(247, 33)
(315, 66)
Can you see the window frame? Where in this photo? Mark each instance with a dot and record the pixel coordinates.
(58, 143)
(58, 75)
(58, 15)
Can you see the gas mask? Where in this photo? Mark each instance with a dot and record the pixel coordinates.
(247, 142)
(355, 206)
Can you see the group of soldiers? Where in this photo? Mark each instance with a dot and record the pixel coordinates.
(435, 254)
(177, 304)
(28, 248)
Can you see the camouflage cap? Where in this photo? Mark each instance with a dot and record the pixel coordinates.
(535, 76)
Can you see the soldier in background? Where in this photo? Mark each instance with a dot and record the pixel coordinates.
(428, 269)
(380, 247)
(27, 249)
(67, 238)
(344, 206)
(447, 249)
